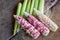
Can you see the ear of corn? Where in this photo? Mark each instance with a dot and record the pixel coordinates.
(47, 21)
(37, 24)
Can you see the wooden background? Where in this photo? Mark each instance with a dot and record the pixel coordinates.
(8, 9)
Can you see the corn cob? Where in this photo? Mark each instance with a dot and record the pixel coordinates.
(47, 21)
(27, 26)
(38, 25)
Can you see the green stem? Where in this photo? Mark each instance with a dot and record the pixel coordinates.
(28, 6)
(36, 4)
(17, 13)
(41, 6)
(23, 7)
(32, 6)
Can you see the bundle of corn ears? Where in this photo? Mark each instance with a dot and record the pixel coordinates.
(32, 25)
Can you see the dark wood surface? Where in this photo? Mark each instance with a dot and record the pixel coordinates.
(8, 8)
